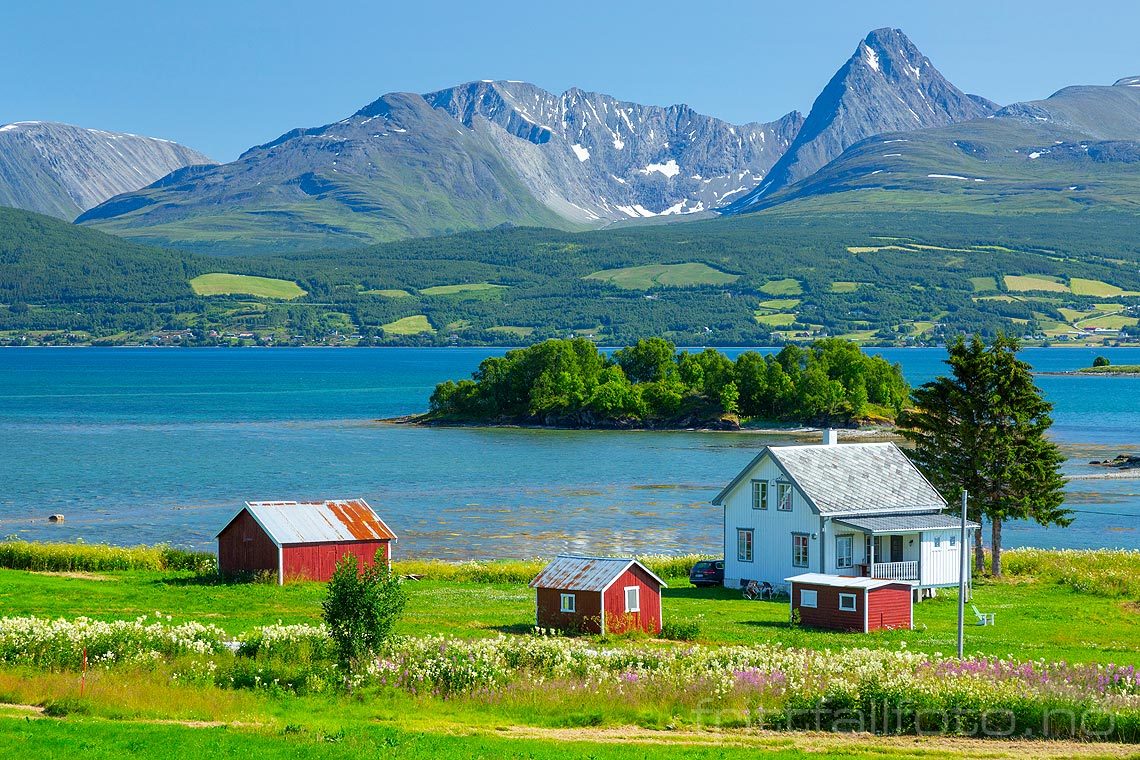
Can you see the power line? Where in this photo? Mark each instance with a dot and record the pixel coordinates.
(1109, 514)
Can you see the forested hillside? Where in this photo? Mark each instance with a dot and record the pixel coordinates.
(765, 278)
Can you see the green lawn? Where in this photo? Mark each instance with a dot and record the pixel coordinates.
(663, 275)
(1105, 630)
(221, 284)
(413, 325)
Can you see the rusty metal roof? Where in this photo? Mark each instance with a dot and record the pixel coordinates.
(311, 522)
(579, 573)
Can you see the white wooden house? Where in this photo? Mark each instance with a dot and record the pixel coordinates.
(859, 509)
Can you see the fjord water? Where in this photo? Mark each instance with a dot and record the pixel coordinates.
(150, 445)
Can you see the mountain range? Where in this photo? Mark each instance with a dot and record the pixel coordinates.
(62, 170)
(887, 131)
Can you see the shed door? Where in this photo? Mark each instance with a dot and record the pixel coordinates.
(896, 548)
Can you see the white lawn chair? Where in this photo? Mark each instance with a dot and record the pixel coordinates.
(984, 618)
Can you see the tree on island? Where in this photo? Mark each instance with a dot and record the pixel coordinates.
(570, 383)
(983, 429)
(1101, 361)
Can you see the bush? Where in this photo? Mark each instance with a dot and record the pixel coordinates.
(681, 630)
(1101, 361)
(360, 608)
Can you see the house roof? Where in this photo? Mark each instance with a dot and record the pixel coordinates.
(896, 523)
(842, 581)
(309, 522)
(580, 573)
(850, 478)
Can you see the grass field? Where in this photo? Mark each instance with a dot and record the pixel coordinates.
(223, 284)
(413, 325)
(664, 276)
(844, 286)
(1034, 282)
(521, 332)
(1096, 288)
(785, 287)
(1111, 321)
(387, 293)
(780, 304)
(775, 320)
(1105, 630)
(983, 284)
(462, 289)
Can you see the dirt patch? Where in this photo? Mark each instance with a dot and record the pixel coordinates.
(28, 709)
(1131, 607)
(830, 743)
(82, 576)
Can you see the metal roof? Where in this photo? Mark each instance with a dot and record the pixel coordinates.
(579, 573)
(310, 522)
(842, 581)
(851, 477)
(896, 523)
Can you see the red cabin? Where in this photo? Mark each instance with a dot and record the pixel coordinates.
(302, 540)
(851, 604)
(598, 595)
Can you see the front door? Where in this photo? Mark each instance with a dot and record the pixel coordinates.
(896, 548)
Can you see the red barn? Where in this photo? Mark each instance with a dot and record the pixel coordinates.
(847, 603)
(598, 595)
(302, 540)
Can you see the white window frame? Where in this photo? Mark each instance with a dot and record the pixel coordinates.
(740, 534)
(848, 598)
(759, 494)
(807, 594)
(784, 495)
(807, 549)
(636, 607)
(563, 606)
(848, 562)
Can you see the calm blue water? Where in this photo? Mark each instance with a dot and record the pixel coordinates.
(146, 445)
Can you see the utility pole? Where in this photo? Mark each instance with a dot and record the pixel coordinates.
(963, 568)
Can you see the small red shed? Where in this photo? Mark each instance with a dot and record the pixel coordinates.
(302, 540)
(851, 604)
(598, 595)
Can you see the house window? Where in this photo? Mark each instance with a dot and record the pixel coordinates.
(784, 497)
(799, 550)
(953, 541)
(759, 494)
(566, 604)
(938, 542)
(843, 549)
(632, 599)
(847, 602)
(807, 597)
(744, 544)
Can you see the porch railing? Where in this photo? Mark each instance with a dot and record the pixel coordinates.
(896, 571)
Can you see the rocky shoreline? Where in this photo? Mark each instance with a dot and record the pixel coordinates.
(1120, 462)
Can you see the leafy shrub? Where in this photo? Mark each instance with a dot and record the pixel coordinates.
(681, 630)
(360, 608)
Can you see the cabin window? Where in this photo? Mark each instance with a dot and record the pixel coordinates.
(759, 494)
(744, 544)
(799, 550)
(847, 602)
(843, 549)
(808, 597)
(938, 542)
(632, 599)
(953, 541)
(567, 603)
(784, 497)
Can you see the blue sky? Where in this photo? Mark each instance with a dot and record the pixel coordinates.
(222, 76)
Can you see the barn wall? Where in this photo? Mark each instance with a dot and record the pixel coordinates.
(318, 561)
(889, 607)
(826, 613)
(772, 531)
(586, 619)
(243, 547)
(649, 618)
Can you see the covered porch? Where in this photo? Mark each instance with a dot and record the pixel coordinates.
(919, 548)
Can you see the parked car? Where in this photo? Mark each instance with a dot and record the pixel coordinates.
(707, 572)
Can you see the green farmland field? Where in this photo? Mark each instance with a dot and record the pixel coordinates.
(663, 275)
(223, 284)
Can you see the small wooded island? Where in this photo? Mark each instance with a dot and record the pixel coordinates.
(1102, 366)
(569, 383)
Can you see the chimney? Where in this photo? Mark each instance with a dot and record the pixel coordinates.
(830, 437)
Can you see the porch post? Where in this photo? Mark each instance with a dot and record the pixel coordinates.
(871, 571)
